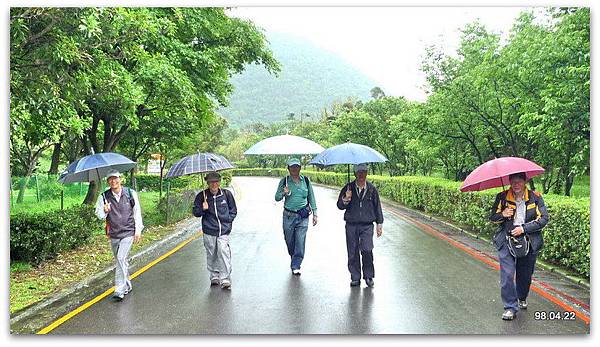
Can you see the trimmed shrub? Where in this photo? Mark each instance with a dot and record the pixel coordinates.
(566, 237)
(152, 182)
(41, 236)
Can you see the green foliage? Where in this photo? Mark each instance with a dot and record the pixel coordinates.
(40, 236)
(190, 182)
(149, 78)
(311, 79)
(566, 237)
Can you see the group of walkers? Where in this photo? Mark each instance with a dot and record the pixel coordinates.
(519, 212)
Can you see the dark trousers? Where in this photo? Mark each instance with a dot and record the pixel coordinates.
(515, 277)
(359, 242)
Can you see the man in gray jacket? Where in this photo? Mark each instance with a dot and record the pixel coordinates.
(361, 201)
(120, 207)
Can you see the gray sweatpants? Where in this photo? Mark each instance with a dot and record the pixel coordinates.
(218, 257)
(120, 249)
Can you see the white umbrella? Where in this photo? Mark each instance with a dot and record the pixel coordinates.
(285, 145)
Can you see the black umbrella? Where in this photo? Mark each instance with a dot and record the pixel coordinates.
(199, 163)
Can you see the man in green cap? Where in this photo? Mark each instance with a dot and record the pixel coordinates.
(299, 204)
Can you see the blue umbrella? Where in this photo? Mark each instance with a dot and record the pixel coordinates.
(348, 153)
(199, 163)
(95, 167)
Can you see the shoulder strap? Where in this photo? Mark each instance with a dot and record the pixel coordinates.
(307, 187)
(127, 192)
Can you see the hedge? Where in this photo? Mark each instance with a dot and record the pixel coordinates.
(152, 182)
(40, 236)
(566, 237)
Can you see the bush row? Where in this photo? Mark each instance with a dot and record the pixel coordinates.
(152, 182)
(41, 236)
(566, 237)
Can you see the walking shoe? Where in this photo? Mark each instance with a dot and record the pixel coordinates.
(225, 285)
(118, 297)
(508, 315)
(214, 282)
(128, 291)
(296, 272)
(523, 304)
(370, 282)
(354, 283)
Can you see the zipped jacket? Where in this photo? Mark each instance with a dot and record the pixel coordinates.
(536, 217)
(217, 220)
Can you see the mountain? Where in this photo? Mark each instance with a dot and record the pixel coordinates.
(311, 79)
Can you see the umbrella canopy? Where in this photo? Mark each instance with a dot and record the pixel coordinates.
(348, 153)
(94, 167)
(199, 163)
(285, 145)
(494, 173)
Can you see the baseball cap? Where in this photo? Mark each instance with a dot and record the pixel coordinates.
(293, 161)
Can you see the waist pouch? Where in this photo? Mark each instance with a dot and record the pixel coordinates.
(304, 212)
(518, 246)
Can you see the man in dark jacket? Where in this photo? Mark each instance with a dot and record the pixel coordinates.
(517, 211)
(217, 208)
(361, 201)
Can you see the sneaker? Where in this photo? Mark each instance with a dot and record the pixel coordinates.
(296, 272)
(370, 282)
(508, 315)
(128, 291)
(225, 285)
(214, 282)
(523, 304)
(354, 283)
(118, 297)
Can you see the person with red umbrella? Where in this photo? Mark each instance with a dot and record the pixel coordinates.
(521, 215)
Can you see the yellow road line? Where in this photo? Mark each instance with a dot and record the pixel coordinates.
(83, 307)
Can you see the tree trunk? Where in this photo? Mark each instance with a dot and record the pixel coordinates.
(92, 193)
(24, 183)
(569, 184)
(22, 187)
(55, 159)
(133, 182)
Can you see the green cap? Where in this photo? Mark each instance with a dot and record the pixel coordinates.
(293, 161)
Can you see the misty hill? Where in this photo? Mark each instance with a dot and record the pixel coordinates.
(310, 80)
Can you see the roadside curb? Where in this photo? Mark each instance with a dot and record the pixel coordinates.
(33, 318)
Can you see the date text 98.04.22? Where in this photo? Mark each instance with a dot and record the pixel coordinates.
(554, 315)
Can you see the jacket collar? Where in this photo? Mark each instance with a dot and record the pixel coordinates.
(510, 195)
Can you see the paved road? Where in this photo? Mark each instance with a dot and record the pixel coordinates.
(423, 285)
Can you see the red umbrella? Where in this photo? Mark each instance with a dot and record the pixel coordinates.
(494, 173)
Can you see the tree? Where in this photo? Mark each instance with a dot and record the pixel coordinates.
(377, 93)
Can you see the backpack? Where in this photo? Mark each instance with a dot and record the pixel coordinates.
(127, 192)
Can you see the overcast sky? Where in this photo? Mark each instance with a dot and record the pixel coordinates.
(385, 43)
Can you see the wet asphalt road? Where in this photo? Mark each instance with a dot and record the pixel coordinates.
(423, 285)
